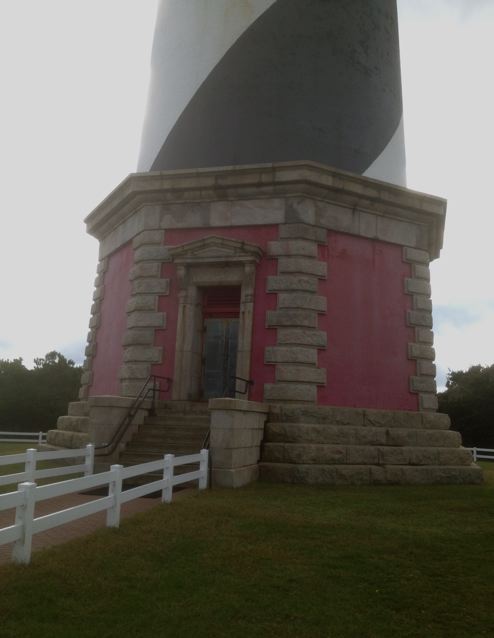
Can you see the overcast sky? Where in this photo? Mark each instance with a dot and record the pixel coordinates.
(74, 80)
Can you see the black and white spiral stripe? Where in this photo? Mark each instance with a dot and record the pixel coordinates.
(259, 81)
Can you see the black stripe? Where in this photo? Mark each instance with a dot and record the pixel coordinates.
(313, 79)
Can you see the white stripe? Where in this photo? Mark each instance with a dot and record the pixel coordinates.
(390, 166)
(191, 37)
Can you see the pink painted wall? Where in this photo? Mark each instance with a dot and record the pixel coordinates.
(263, 337)
(109, 351)
(366, 357)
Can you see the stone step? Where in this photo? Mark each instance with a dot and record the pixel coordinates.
(369, 474)
(359, 435)
(179, 419)
(169, 448)
(73, 423)
(359, 417)
(78, 408)
(181, 407)
(67, 439)
(317, 453)
(173, 427)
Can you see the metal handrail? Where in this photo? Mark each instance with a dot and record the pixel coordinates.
(143, 394)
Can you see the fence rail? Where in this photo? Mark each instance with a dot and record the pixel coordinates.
(28, 494)
(23, 437)
(481, 453)
(31, 457)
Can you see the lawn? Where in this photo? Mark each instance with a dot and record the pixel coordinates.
(271, 560)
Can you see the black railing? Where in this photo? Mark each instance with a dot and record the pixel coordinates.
(150, 389)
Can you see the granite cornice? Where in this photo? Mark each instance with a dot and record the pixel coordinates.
(288, 179)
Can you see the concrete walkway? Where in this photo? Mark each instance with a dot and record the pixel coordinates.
(75, 529)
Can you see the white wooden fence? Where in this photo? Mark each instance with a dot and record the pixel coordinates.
(28, 494)
(23, 437)
(481, 453)
(31, 458)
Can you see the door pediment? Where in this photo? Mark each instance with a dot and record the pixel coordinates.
(215, 249)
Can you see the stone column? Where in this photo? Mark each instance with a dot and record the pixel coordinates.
(420, 318)
(296, 317)
(237, 430)
(143, 318)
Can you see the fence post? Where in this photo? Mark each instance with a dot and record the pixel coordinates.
(24, 515)
(40, 438)
(30, 465)
(89, 459)
(167, 492)
(203, 467)
(114, 490)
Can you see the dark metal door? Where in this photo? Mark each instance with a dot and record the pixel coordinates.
(219, 357)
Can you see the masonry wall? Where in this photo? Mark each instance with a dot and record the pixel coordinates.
(366, 325)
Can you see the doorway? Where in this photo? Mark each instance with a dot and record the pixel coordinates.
(220, 312)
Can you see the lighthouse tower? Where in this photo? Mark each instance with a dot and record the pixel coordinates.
(267, 264)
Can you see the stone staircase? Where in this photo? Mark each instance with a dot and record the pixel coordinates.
(347, 446)
(178, 427)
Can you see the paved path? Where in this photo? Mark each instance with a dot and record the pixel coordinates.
(76, 529)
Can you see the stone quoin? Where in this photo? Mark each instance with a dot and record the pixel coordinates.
(268, 258)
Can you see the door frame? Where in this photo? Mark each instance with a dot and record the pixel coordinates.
(209, 262)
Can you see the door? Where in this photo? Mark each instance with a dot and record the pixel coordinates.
(221, 307)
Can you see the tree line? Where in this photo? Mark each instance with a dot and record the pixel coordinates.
(31, 400)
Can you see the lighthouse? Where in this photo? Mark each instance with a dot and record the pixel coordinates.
(266, 268)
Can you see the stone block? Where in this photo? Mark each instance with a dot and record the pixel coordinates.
(424, 335)
(86, 377)
(367, 225)
(138, 336)
(303, 231)
(142, 302)
(96, 307)
(302, 300)
(421, 302)
(73, 423)
(234, 478)
(398, 232)
(420, 351)
(236, 437)
(337, 218)
(232, 458)
(303, 266)
(98, 280)
(428, 402)
(401, 437)
(151, 253)
(302, 374)
(290, 392)
(78, 408)
(315, 474)
(148, 237)
(438, 438)
(298, 247)
(67, 439)
(389, 455)
(392, 419)
(144, 319)
(302, 337)
(417, 287)
(287, 354)
(154, 286)
(130, 388)
(362, 455)
(408, 475)
(423, 456)
(90, 349)
(94, 321)
(145, 269)
(150, 354)
(98, 293)
(252, 212)
(280, 283)
(325, 415)
(415, 255)
(419, 318)
(437, 421)
(135, 371)
(300, 210)
(305, 453)
(426, 368)
(422, 384)
(102, 266)
(419, 271)
(290, 317)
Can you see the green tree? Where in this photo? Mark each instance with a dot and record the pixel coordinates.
(469, 401)
(31, 400)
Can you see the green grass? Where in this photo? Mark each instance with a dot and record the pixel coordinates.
(373, 562)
